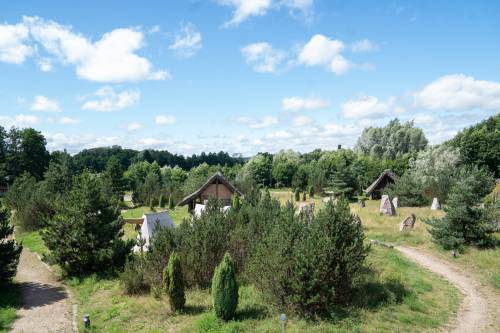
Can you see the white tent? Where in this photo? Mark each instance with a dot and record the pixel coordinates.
(199, 209)
(148, 227)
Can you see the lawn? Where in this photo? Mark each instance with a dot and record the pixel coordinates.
(178, 214)
(8, 304)
(396, 295)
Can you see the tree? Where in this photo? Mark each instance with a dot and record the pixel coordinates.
(225, 289)
(339, 186)
(114, 174)
(297, 195)
(171, 204)
(236, 202)
(304, 196)
(285, 164)
(311, 191)
(174, 283)
(85, 234)
(409, 190)
(465, 222)
(34, 156)
(391, 141)
(9, 249)
(162, 201)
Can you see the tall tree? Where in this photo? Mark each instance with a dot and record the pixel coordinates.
(114, 174)
(34, 157)
(9, 249)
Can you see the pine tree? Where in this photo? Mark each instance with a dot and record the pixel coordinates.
(85, 234)
(163, 201)
(173, 283)
(9, 249)
(225, 289)
(114, 173)
(311, 191)
(297, 195)
(304, 197)
(171, 205)
(236, 204)
(339, 186)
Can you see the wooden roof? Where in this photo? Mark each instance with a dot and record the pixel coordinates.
(387, 173)
(217, 176)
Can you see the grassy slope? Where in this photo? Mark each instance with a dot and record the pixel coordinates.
(9, 301)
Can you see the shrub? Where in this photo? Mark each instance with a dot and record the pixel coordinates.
(162, 201)
(409, 190)
(225, 289)
(85, 234)
(171, 202)
(236, 203)
(162, 245)
(297, 195)
(133, 278)
(465, 223)
(9, 249)
(173, 283)
(304, 197)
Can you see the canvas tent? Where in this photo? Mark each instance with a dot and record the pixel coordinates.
(148, 227)
(374, 191)
(217, 187)
(199, 209)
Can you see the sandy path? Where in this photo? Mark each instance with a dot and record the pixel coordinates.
(46, 305)
(480, 308)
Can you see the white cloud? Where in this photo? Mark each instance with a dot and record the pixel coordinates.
(256, 124)
(13, 48)
(45, 64)
(187, 41)
(296, 103)
(133, 127)
(370, 107)
(109, 59)
(300, 121)
(243, 9)
(363, 45)
(106, 99)
(263, 57)
(459, 92)
(43, 104)
(154, 29)
(68, 121)
(279, 135)
(165, 120)
(323, 51)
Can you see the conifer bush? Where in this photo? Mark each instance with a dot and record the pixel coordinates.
(225, 289)
(171, 204)
(173, 283)
(311, 191)
(236, 203)
(304, 196)
(9, 249)
(297, 195)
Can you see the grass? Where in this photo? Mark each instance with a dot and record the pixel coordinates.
(396, 295)
(9, 301)
(178, 214)
(32, 241)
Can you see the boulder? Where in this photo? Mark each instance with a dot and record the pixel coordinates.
(386, 206)
(408, 223)
(395, 202)
(436, 205)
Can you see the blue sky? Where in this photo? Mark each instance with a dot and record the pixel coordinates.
(244, 76)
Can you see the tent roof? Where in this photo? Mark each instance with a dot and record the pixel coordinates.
(386, 173)
(149, 225)
(211, 180)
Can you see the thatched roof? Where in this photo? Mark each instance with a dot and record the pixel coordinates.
(387, 173)
(217, 176)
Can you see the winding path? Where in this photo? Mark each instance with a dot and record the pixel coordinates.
(46, 304)
(479, 311)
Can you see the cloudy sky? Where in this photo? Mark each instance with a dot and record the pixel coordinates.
(244, 75)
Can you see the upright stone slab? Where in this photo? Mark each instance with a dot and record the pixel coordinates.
(386, 206)
(436, 205)
(395, 202)
(361, 203)
(306, 209)
(408, 223)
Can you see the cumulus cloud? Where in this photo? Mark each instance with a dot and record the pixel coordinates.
(296, 103)
(257, 124)
(323, 51)
(45, 65)
(279, 135)
(369, 107)
(20, 120)
(188, 41)
(134, 126)
(165, 120)
(300, 121)
(112, 58)
(458, 92)
(363, 45)
(13, 47)
(263, 57)
(68, 121)
(106, 99)
(43, 104)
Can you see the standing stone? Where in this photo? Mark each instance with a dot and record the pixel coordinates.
(395, 202)
(386, 206)
(408, 223)
(306, 209)
(436, 205)
(361, 203)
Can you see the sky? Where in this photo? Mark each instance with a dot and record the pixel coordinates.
(244, 76)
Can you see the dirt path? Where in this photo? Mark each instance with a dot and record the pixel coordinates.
(479, 311)
(46, 305)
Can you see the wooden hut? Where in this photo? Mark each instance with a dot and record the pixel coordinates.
(217, 187)
(374, 191)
